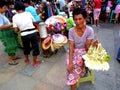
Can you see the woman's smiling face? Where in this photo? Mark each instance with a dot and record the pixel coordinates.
(79, 20)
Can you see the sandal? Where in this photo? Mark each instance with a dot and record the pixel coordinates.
(37, 64)
(13, 63)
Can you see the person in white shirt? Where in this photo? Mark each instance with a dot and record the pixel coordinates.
(23, 22)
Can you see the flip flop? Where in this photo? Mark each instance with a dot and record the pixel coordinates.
(13, 63)
(37, 64)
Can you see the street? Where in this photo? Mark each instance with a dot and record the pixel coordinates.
(51, 74)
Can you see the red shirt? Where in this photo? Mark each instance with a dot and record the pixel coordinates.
(97, 4)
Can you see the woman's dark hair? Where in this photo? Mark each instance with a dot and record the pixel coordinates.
(2, 3)
(78, 11)
(19, 6)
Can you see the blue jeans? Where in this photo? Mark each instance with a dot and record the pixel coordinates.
(118, 54)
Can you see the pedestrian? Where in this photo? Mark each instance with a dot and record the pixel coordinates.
(7, 35)
(80, 38)
(23, 21)
(33, 11)
(108, 9)
(117, 11)
(96, 12)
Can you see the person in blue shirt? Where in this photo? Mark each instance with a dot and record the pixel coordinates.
(32, 10)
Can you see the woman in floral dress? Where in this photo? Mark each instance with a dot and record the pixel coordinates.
(80, 38)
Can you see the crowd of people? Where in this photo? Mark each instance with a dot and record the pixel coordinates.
(94, 8)
(23, 16)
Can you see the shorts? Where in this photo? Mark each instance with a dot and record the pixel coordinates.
(96, 13)
(30, 42)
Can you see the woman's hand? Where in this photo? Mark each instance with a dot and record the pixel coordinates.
(16, 29)
(95, 43)
(70, 68)
(7, 26)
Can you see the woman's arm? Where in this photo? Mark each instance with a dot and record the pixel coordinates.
(88, 43)
(70, 66)
(71, 45)
(4, 27)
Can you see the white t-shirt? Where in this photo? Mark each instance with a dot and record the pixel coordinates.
(24, 21)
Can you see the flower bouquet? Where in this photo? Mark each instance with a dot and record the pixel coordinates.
(97, 58)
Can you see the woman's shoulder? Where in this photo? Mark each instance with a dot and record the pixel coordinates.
(89, 31)
(71, 29)
(2, 17)
(89, 28)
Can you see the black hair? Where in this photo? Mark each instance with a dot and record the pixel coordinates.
(19, 6)
(2, 3)
(78, 11)
(27, 1)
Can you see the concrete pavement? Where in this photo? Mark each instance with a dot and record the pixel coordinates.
(51, 74)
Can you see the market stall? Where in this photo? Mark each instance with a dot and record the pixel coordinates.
(55, 39)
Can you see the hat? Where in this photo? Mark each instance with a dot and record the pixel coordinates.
(59, 38)
(47, 43)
